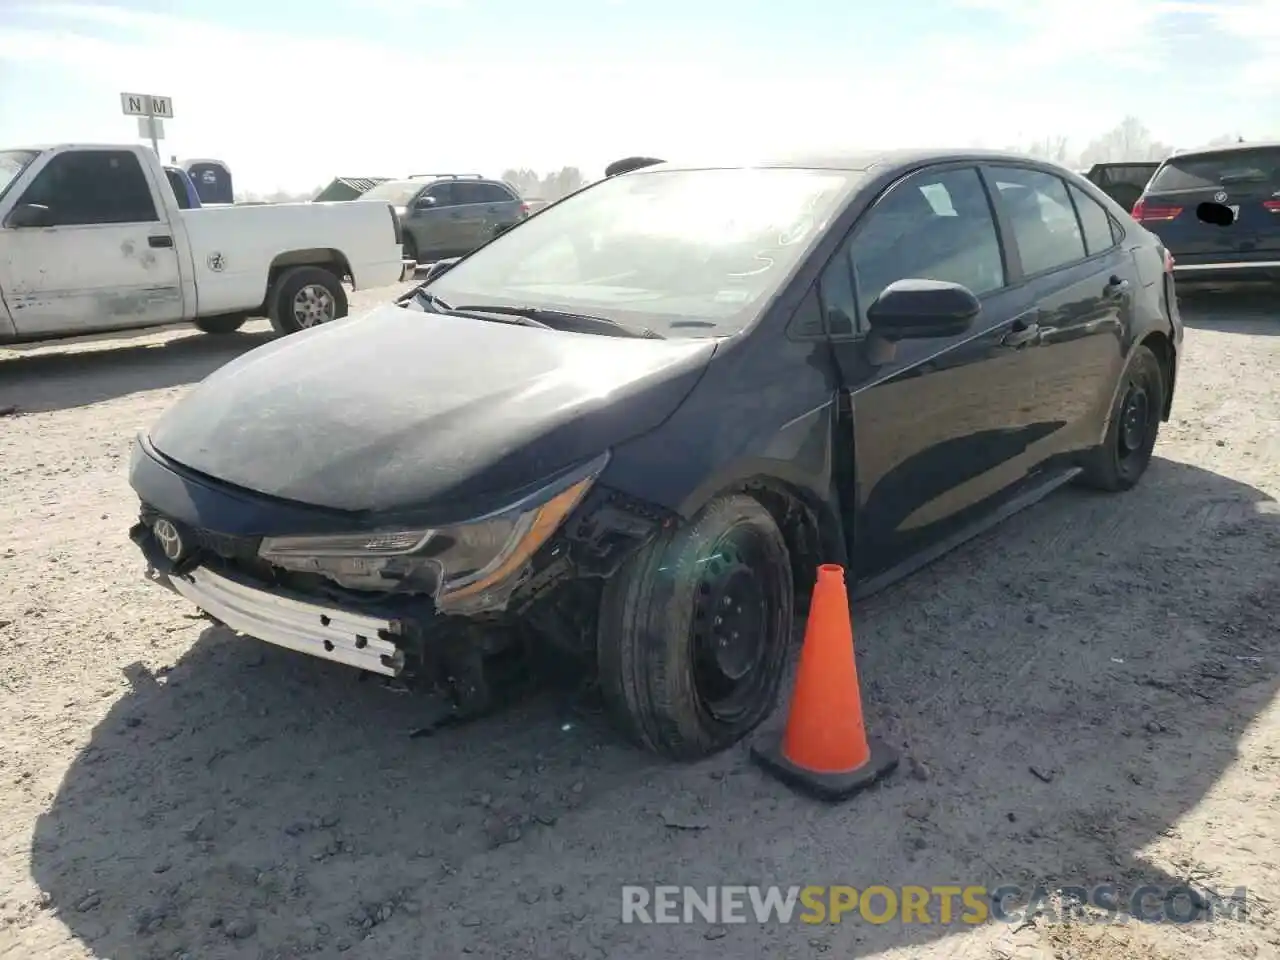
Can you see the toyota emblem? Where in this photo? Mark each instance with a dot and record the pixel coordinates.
(169, 538)
(1220, 197)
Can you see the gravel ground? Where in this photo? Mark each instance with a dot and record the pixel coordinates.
(1086, 694)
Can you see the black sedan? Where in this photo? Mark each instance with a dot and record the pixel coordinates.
(632, 426)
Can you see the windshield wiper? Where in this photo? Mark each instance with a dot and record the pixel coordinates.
(433, 303)
(429, 299)
(561, 319)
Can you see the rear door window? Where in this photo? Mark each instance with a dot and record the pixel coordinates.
(1041, 216)
(1099, 234)
(492, 193)
(1247, 169)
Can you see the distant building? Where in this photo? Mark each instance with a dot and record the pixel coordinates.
(347, 188)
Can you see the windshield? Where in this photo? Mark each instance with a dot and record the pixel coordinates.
(1211, 170)
(681, 252)
(12, 163)
(398, 193)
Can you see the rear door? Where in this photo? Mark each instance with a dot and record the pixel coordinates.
(502, 207)
(109, 259)
(1081, 282)
(942, 426)
(1245, 179)
(477, 213)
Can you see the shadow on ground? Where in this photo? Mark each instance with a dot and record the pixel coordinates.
(252, 803)
(1252, 313)
(60, 379)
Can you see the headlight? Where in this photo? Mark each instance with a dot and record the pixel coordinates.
(467, 567)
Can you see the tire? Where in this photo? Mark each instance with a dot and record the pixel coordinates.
(411, 248)
(227, 323)
(285, 301)
(656, 616)
(1122, 458)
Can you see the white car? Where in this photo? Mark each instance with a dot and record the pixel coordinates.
(92, 240)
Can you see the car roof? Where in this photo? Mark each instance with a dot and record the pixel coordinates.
(859, 161)
(1227, 148)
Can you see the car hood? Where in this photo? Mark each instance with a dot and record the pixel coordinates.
(401, 410)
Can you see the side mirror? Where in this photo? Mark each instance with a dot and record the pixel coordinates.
(440, 266)
(922, 309)
(425, 203)
(30, 215)
(1217, 214)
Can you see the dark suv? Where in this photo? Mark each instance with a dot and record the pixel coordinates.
(448, 215)
(1245, 178)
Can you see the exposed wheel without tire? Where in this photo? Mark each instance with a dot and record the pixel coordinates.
(304, 297)
(695, 629)
(228, 323)
(1123, 456)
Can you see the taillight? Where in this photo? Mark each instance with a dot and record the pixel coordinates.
(1271, 205)
(525, 210)
(1146, 214)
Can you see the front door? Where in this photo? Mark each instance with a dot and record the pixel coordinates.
(107, 260)
(437, 227)
(941, 427)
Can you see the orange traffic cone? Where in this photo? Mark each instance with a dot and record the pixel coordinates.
(825, 749)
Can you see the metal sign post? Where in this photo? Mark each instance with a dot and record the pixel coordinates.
(151, 111)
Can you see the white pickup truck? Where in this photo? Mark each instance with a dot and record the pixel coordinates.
(92, 240)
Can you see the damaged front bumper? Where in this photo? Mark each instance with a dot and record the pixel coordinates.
(365, 641)
(325, 632)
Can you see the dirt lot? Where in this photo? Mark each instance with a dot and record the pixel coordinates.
(172, 791)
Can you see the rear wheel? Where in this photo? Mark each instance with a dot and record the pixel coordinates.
(694, 631)
(228, 323)
(304, 297)
(1122, 458)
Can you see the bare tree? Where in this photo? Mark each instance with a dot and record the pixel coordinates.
(1056, 149)
(1128, 140)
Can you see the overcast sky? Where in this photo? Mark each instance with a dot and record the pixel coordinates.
(292, 93)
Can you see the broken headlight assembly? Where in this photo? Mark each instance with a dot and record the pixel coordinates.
(468, 567)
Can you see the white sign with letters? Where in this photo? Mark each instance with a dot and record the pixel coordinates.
(146, 105)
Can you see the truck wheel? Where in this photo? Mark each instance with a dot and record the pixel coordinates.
(694, 631)
(304, 297)
(227, 323)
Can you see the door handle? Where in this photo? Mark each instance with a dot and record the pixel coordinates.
(1022, 334)
(160, 241)
(1115, 287)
